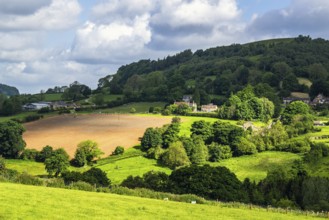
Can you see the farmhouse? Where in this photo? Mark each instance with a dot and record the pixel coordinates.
(320, 99)
(288, 100)
(36, 106)
(209, 108)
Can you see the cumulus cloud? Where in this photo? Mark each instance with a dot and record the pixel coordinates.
(60, 14)
(130, 28)
(19, 7)
(113, 41)
(301, 17)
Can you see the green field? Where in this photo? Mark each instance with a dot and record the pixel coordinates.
(52, 97)
(304, 81)
(28, 166)
(140, 107)
(132, 163)
(35, 202)
(255, 167)
(18, 116)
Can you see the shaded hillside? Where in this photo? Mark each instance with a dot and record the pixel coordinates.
(8, 90)
(272, 66)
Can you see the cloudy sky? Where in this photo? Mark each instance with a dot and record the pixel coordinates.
(47, 43)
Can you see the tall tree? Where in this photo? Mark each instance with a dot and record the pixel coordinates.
(11, 140)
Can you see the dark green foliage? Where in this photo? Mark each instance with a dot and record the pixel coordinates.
(29, 154)
(11, 106)
(118, 150)
(244, 147)
(44, 110)
(246, 106)
(295, 146)
(76, 91)
(317, 151)
(157, 181)
(202, 129)
(79, 158)
(45, 153)
(293, 109)
(176, 120)
(208, 182)
(11, 141)
(133, 182)
(226, 134)
(170, 135)
(2, 164)
(225, 70)
(300, 124)
(94, 176)
(151, 138)
(219, 152)
(58, 162)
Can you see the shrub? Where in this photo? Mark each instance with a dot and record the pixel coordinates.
(80, 185)
(44, 154)
(2, 163)
(30, 118)
(29, 154)
(28, 179)
(44, 110)
(218, 152)
(118, 150)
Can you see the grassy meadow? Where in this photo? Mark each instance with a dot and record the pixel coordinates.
(35, 202)
(131, 162)
(255, 166)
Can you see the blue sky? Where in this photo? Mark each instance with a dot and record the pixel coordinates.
(47, 43)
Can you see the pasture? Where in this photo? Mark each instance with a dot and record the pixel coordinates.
(255, 167)
(109, 131)
(36, 202)
(119, 168)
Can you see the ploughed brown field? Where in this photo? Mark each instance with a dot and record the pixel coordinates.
(108, 130)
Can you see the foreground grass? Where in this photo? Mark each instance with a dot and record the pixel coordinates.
(255, 167)
(54, 203)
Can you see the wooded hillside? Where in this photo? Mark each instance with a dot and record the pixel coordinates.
(276, 68)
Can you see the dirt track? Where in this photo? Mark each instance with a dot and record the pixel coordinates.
(108, 131)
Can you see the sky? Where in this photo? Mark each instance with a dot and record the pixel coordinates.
(48, 43)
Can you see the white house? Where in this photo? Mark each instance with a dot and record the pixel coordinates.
(36, 106)
(209, 108)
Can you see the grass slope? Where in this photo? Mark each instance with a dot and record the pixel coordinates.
(132, 163)
(255, 166)
(32, 202)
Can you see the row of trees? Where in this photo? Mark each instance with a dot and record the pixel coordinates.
(287, 188)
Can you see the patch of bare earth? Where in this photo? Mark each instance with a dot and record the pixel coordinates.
(109, 131)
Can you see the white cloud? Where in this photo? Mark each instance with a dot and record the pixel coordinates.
(22, 7)
(116, 40)
(60, 14)
(178, 13)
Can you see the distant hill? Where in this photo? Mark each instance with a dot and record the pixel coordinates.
(8, 90)
(274, 67)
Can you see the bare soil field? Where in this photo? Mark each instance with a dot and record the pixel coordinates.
(108, 130)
